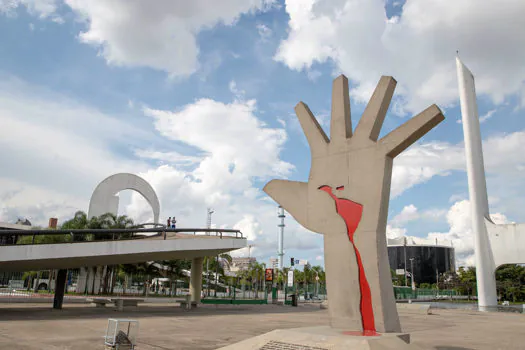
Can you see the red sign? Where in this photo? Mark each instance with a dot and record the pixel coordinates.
(269, 275)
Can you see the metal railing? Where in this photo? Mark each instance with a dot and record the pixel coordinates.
(116, 234)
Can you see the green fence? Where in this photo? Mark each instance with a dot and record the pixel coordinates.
(420, 293)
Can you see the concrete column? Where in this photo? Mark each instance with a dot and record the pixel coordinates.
(196, 280)
(82, 280)
(60, 289)
(98, 279)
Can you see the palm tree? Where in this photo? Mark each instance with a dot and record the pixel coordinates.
(78, 222)
(320, 277)
(105, 221)
(282, 278)
(307, 272)
(111, 221)
(256, 272)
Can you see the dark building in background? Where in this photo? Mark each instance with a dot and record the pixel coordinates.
(429, 261)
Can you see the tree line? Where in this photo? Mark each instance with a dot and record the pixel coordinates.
(510, 282)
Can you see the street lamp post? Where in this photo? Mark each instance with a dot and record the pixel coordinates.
(412, 273)
(405, 253)
(316, 283)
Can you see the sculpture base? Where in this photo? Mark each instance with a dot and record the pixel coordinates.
(323, 338)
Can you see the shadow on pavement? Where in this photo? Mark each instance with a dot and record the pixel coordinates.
(45, 312)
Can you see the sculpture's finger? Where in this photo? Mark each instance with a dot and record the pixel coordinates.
(292, 196)
(315, 135)
(341, 123)
(401, 138)
(371, 121)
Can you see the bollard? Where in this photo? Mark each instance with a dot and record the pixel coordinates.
(119, 304)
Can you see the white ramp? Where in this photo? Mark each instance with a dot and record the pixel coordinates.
(75, 255)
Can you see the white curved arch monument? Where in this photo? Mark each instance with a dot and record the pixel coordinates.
(105, 199)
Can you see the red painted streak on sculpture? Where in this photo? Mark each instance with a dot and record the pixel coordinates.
(351, 213)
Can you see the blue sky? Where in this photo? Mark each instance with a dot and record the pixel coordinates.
(181, 94)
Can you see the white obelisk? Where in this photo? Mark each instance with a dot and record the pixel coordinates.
(485, 267)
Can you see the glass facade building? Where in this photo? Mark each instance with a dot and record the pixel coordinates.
(429, 261)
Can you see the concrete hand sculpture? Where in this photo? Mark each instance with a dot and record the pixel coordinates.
(346, 199)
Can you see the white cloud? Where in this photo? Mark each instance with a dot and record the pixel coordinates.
(412, 213)
(407, 214)
(168, 157)
(503, 156)
(56, 151)
(460, 233)
(417, 49)
(313, 74)
(239, 146)
(483, 118)
(458, 197)
(47, 138)
(40, 8)
(422, 162)
(38, 204)
(265, 33)
(395, 232)
(236, 150)
(161, 35)
(238, 93)
(458, 217)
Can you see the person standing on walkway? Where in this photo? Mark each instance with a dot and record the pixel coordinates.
(173, 222)
(169, 222)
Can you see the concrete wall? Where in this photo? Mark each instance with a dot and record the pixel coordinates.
(507, 242)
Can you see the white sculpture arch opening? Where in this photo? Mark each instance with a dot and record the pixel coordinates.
(105, 197)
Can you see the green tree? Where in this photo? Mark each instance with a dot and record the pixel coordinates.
(467, 280)
(510, 282)
(256, 274)
(105, 221)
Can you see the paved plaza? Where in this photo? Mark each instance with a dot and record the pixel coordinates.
(166, 326)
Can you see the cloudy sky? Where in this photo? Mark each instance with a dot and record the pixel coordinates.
(198, 99)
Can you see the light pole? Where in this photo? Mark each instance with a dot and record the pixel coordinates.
(208, 226)
(316, 283)
(405, 267)
(216, 277)
(412, 273)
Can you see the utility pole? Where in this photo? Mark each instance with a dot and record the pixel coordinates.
(316, 283)
(208, 226)
(405, 252)
(280, 250)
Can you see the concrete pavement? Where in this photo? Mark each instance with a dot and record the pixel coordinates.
(165, 326)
